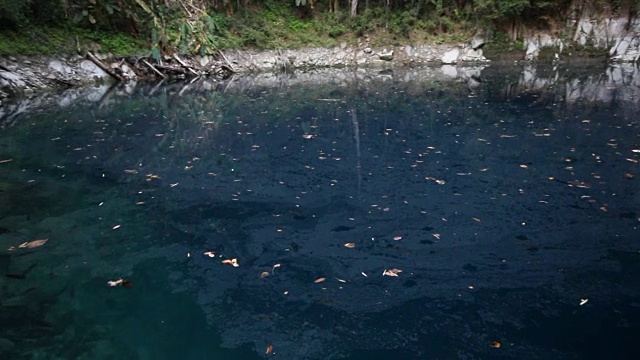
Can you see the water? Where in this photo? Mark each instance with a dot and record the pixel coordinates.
(423, 214)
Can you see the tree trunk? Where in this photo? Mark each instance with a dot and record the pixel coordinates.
(354, 8)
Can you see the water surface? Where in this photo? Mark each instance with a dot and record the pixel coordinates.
(425, 214)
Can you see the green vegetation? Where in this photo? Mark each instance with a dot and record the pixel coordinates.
(206, 26)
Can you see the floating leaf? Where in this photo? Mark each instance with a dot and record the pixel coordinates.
(583, 301)
(264, 274)
(233, 262)
(396, 238)
(269, 349)
(319, 280)
(350, 245)
(391, 272)
(120, 282)
(274, 267)
(210, 254)
(579, 184)
(495, 344)
(33, 244)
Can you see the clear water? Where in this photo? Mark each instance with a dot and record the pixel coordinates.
(507, 196)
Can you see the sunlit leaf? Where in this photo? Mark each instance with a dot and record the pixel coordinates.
(269, 349)
(319, 280)
(264, 274)
(391, 272)
(274, 267)
(396, 238)
(210, 254)
(33, 244)
(583, 301)
(350, 245)
(495, 344)
(233, 262)
(579, 184)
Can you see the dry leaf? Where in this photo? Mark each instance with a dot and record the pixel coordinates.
(319, 280)
(437, 236)
(495, 344)
(33, 244)
(210, 254)
(350, 245)
(115, 282)
(391, 272)
(269, 349)
(579, 184)
(396, 238)
(116, 227)
(233, 262)
(583, 301)
(274, 267)
(264, 274)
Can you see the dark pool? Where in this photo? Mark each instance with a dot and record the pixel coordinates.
(438, 213)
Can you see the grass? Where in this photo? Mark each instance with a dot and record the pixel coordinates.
(33, 40)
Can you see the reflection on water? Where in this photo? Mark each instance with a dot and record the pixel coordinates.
(407, 214)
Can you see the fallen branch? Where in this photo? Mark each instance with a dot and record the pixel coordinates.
(102, 66)
(154, 69)
(185, 65)
(228, 62)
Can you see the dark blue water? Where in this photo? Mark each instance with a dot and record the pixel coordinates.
(429, 214)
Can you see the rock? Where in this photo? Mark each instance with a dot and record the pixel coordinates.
(386, 56)
(367, 50)
(128, 72)
(476, 43)
(451, 56)
(11, 79)
(93, 69)
(57, 66)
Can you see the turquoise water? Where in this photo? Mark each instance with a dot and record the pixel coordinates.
(414, 215)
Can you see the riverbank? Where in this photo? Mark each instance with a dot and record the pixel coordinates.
(21, 75)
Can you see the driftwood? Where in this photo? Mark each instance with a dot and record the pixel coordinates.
(175, 56)
(102, 66)
(154, 69)
(228, 62)
(172, 67)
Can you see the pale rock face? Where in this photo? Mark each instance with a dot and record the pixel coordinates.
(451, 56)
